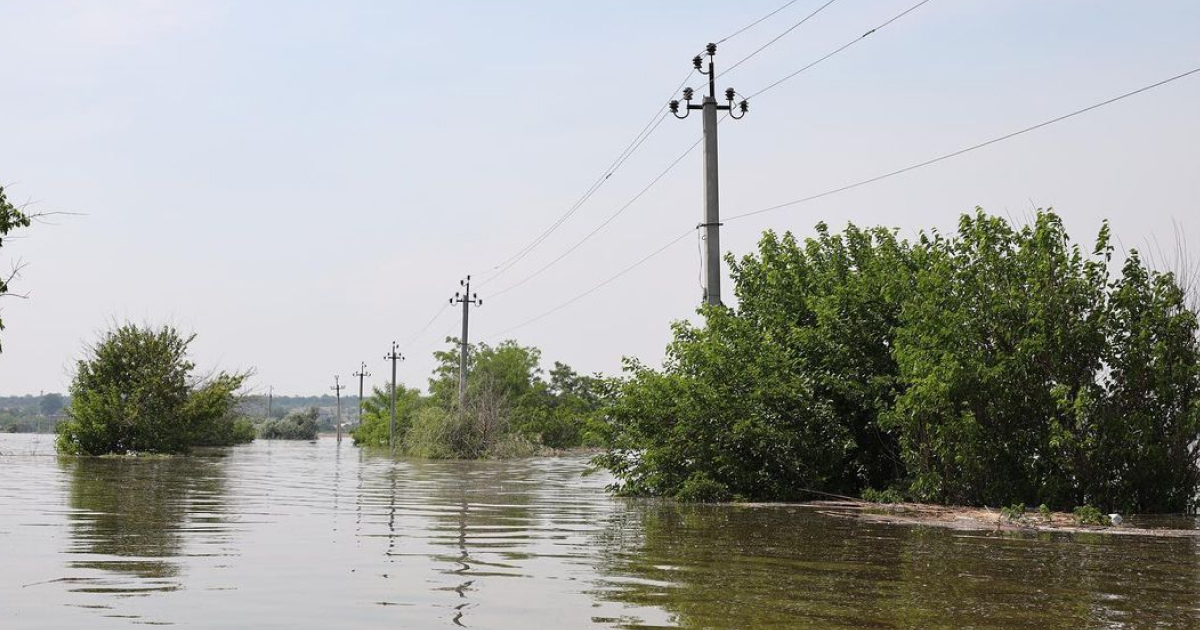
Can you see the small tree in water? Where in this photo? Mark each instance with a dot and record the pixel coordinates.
(135, 391)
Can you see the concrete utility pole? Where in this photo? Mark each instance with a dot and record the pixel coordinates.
(712, 203)
(270, 395)
(337, 388)
(466, 298)
(361, 374)
(393, 356)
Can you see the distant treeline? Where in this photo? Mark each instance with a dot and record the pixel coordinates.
(28, 414)
(996, 365)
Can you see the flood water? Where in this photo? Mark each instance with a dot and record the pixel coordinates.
(310, 535)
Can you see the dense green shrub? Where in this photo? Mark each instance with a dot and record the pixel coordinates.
(135, 392)
(228, 431)
(996, 365)
(296, 425)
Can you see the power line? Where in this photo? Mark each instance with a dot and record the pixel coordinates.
(597, 229)
(755, 22)
(839, 49)
(959, 152)
(634, 144)
(595, 288)
(845, 188)
(630, 149)
(417, 335)
(776, 38)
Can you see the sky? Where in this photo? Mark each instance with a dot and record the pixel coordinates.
(302, 183)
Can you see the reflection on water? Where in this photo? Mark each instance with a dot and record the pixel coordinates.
(131, 516)
(278, 535)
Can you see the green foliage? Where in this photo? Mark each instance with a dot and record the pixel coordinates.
(1001, 363)
(11, 218)
(890, 495)
(1088, 515)
(700, 488)
(377, 413)
(479, 431)
(228, 431)
(1014, 512)
(562, 413)
(296, 425)
(1044, 512)
(134, 392)
(781, 395)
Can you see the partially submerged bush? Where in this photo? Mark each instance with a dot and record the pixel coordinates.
(998, 363)
(296, 425)
(135, 392)
(700, 488)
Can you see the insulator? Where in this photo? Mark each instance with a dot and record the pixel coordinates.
(674, 107)
(687, 93)
(744, 106)
(729, 94)
(711, 49)
(697, 61)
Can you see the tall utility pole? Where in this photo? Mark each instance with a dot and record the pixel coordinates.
(712, 203)
(361, 374)
(337, 388)
(466, 298)
(270, 395)
(393, 356)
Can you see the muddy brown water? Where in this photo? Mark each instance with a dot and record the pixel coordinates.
(310, 535)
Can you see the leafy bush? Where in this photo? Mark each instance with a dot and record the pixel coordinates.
(1000, 363)
(135, 392)
(296, 425)
(479, 431)
(700, 488)
(1088, 515)
(1044, 512)
(1014, 512)
(228, 431)
(375, 428)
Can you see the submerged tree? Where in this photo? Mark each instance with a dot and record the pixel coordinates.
(136, 391)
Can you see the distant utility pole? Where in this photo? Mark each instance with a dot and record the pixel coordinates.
(712, 211)
(466, 298)
(361, 374)
(337, 388)
(393, 356)
(270, 394)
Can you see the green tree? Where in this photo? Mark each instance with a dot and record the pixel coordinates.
(11, 218)
(136, 391)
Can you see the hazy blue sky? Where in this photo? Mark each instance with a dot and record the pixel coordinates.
(300, 183)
